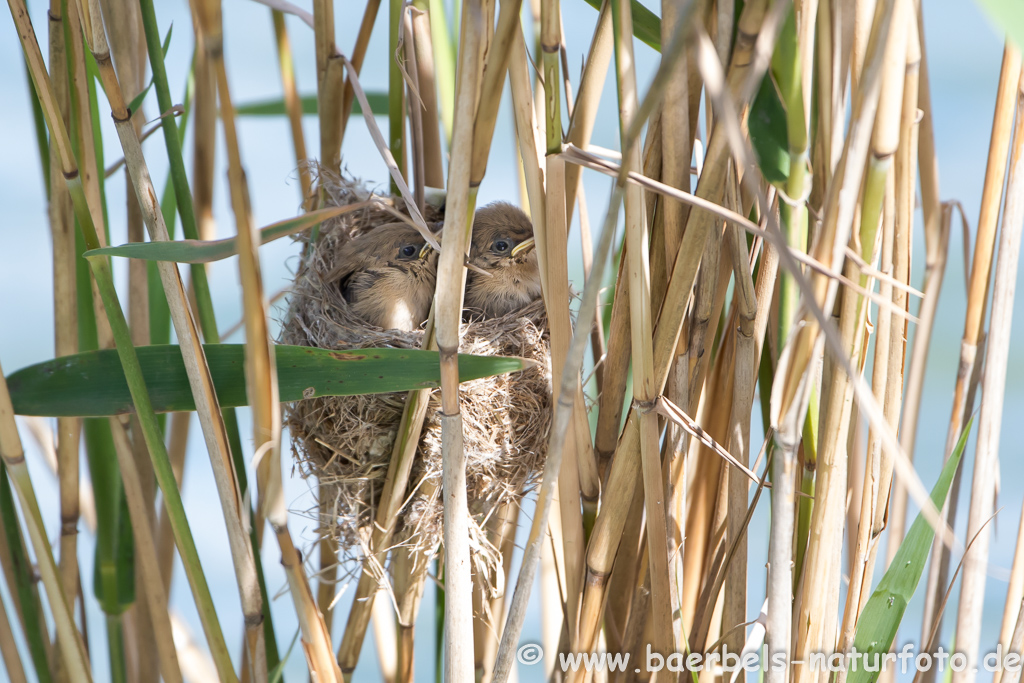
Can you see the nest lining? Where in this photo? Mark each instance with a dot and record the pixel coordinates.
(346, 441)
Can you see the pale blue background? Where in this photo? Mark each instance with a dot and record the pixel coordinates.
(964, 52)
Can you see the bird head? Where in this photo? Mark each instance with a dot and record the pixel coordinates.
(503, 238)
(503, 246)
(387, 276)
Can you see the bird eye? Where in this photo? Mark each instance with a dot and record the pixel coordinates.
(409, 251)
(501, 246)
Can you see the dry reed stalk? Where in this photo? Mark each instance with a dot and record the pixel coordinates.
(735, 605)
(641, 325)
(677, 150)
(9, 649)
(906, 192)
(986, 462)
(204, 148)
(292, 105)
(578, 484)
(72, 649)
(936, 226)
(874, 495)
(384, 631)
(101, 271)
(1014, 596)
(192, 353)
(392, 497)
(263, 395)
(495, 68)
(65, 313)
(433, 173)
(1016, 643)
(624, 471)
(358, 55)
(177, 448)
(145, 555)
(458, 622)
(584, 110)
(977, 304)
(816, 613)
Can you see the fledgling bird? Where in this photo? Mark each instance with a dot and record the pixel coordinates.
(502, 244)
(387, 276)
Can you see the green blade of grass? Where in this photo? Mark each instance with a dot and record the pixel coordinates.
(878, 623)
(1009, 16)
(646, 24)
(199, 251)
(92, 384)
(275, 107)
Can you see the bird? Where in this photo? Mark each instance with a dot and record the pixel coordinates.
(387, 276)
(502, 244)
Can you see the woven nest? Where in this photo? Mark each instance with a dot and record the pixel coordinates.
(346, 441)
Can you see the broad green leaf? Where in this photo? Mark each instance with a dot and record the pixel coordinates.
(199, 251)
(92, 384)
(881, 617)
(768, 135)
(646, 24)
(275, 107)
(1009, 16)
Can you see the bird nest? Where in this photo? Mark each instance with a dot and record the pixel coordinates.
(347, 441)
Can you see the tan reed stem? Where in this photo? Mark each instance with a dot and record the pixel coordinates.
(972, 585)
(292, 106)
(458, 622)
(977, 300)
(65, 313)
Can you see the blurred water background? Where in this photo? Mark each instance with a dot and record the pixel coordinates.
(964, 51)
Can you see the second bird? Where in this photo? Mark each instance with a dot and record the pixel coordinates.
(387, 276)
(503, 245)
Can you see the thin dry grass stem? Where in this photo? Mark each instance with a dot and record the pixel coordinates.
(358, 55)
(641, 325)
(461, 198)
(148, 574)
(72, 649)
(972, 586)
(977, 300)
(292, 104)
(65, 314)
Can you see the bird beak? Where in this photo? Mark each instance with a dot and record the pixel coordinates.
(525, 245)
(425, 251)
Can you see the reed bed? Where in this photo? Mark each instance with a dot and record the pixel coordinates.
(756, 248)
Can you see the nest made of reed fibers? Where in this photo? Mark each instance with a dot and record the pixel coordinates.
(346, 441)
